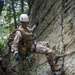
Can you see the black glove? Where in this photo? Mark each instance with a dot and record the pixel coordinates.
(37, 23)
(17, 57)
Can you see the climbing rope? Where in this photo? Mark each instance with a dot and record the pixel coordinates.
(62, 32)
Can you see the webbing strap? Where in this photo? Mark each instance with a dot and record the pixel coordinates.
(20, 31)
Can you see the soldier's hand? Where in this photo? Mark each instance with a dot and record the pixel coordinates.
(17, 57)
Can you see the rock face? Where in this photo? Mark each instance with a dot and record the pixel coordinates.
(56, 25)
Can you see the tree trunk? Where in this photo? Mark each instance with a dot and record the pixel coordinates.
(22, 6)
(14, 14)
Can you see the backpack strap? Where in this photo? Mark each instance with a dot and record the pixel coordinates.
(20, 31)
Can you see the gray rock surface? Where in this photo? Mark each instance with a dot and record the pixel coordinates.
(48, 12)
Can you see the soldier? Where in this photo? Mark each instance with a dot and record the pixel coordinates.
(23, 42)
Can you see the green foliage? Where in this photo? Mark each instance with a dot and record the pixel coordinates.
(3, 36)
(7, 22)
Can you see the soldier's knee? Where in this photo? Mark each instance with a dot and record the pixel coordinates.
(51, 55)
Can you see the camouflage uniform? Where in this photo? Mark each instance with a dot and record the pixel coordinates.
(23, 42)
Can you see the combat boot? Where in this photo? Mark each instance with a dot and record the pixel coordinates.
(52, 59)
(56, 68)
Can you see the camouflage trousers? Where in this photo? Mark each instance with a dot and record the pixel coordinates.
(43, 47)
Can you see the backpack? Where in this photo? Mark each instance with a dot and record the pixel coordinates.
(11, 37)
(22, 51)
